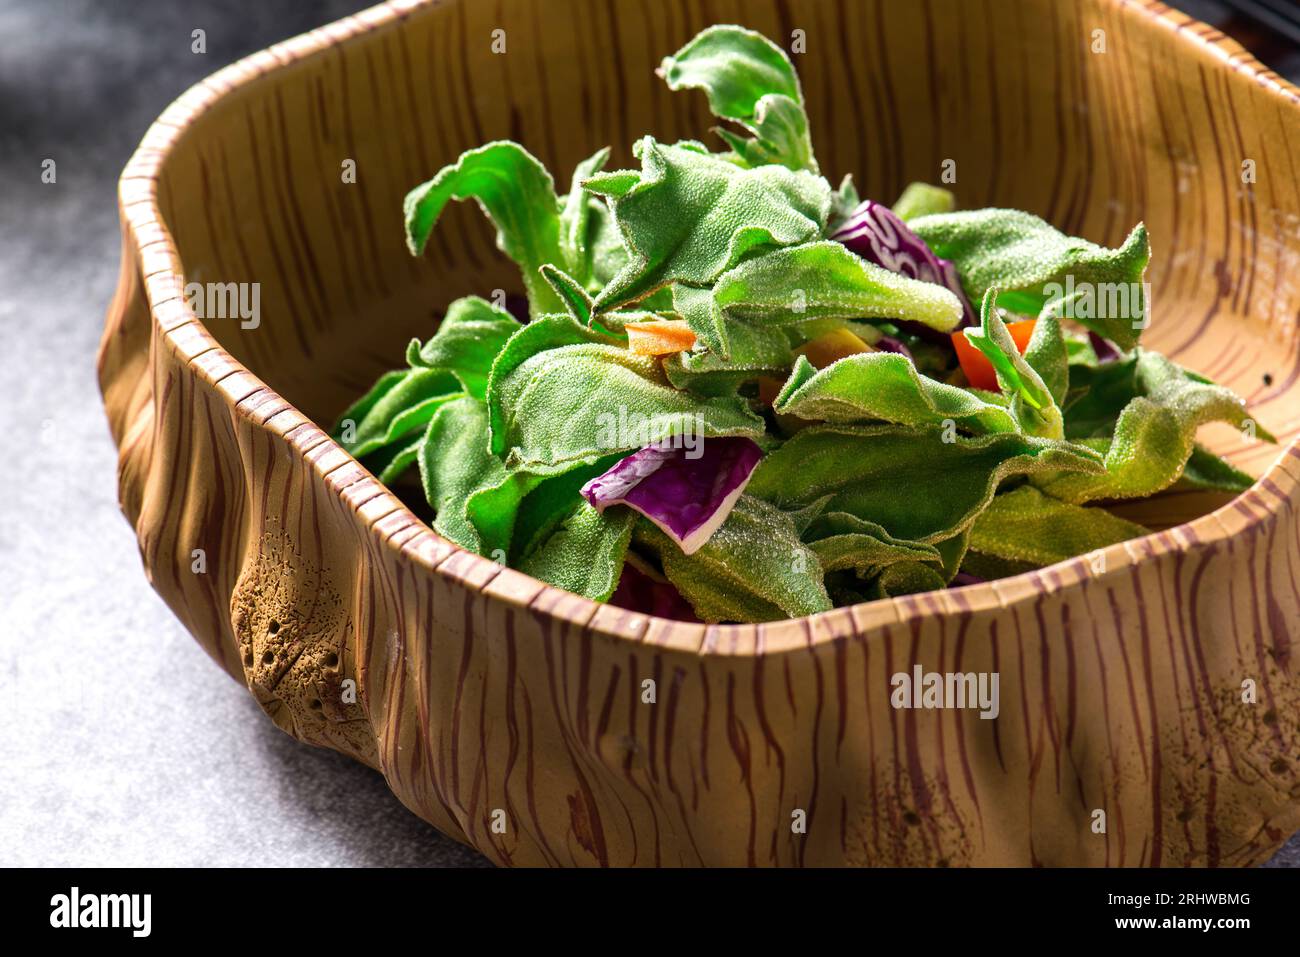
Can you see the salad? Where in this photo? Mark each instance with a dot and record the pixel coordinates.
(740, 394)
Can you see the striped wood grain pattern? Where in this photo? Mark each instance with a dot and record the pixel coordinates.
(477, 689)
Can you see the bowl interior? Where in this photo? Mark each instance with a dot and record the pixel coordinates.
(1093, 115)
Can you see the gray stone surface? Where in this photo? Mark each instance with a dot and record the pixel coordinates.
(126, 745)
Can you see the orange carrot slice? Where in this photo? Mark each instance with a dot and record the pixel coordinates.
(830, 347)
(659, 338)
(978, 369)
(769, 388)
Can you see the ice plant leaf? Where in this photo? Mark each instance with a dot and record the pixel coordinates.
(400, 403)
(754, 352)
(546, 505)
(585, 553)
(389, 463)
(570, 292)
(818, 280)
(1024, 525)
(843, 541)
(904, 578)
(466, 344)
(571, 404)
(952, 551)
(517, 194)
(1032, 263)
(735, 67)
(780, 128)
(454, 463)
(753, 568)
(605, 245)
(1047, 356)
(844, 200)
(542, 334)
(1207, 472)
(576, 217)
(912, 482)
(749, 80)
(1154, 435)
(823, 279)
(687, 216)
(1097, 395)
(922, 199)
(686, 495)
(1031, 401)
(884, 386)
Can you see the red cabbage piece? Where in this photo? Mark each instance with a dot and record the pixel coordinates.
(1105, 350)
(638, 591)
(687, 492)
(878, 236)
(890, 344)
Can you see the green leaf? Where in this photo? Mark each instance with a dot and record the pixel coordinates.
(576, 217)
(1047, 355)
(455, 463)
(688, 216)
(570, 292)
(1154, 435)
(884, 386)
(570, 405)
(909, 575)
(910, 481)
(843, 541)
(1032, 403)
(516, 192)
(1032, 264)
(904, 578)
(1207, 472)
(1024, 525)
(780, 128)
(753, 568)
(390, 462)
(542, 334)
(991, 568)
(398, 404)
(1097, 395)
(818, 280)
(922, 199)
(585, 553)
(548, 504)
(754, 352)
(844, 200)
(608, 254)
(1080, 351)
(952, 551)
(467, 342)
(493, 507)
(735, 67)
(749, 80)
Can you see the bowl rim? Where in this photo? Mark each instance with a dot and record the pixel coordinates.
(384, 515)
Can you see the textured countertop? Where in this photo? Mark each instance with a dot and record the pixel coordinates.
(129, 746)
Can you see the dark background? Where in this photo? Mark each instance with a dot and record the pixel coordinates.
(125, 745)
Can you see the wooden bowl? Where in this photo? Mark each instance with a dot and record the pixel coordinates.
(514, 716)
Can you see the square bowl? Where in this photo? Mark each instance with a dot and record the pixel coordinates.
(1149, 703)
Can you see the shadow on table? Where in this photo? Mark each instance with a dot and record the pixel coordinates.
(354, 809)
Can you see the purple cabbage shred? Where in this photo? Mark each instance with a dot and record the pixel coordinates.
(876, 234)
(687, 492)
